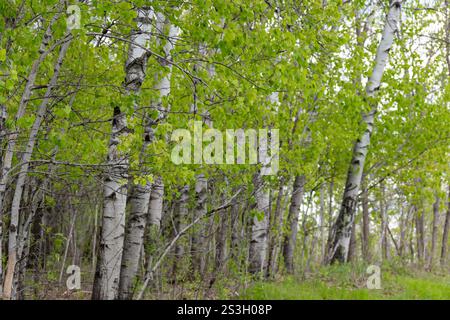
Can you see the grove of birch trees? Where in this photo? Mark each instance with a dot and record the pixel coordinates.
(91, 92)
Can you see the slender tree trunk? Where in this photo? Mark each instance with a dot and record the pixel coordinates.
(107, 276)
(447, 217)
(70, 238)
(221, 242)
(352, 246)
(140, 195)
(434, 232)
(180, 223)
(365, 225)
(322, 222)
(384, 249)
(236, 232)
(276, 230)
(344, 222)
(198, 236)
(25, 162)
(44, 50)
(402, 227)
(420, 237)
(94, 239)
(138, 202)
(258, 243)
(330, 221)
(154, 217)
(290, 238)
(446, 232)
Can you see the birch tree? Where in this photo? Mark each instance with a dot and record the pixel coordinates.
(344, 222)
(25, 162)
(140, 195)
(106, 282)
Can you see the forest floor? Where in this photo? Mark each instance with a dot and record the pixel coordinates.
(350, 283)
(347, 282)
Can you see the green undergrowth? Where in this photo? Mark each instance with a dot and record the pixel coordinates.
(350, 283)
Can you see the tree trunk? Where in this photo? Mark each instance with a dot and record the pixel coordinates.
(221, 242)
(402, 227)
(290, 237)
(344, 222)
(445, 232)
(179, 224)
(107, 276)
(155, 215)
(236, 234)
(434, 233)
(322, 222)
(258, 242)
(25, 163)
(44, 50)
(276, 230)
(134, 237)
(384, 240)
(420, 235)
(352, 246)
(198, 236)
(140, 195)
(365, 225)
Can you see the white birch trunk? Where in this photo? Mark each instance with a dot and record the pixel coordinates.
(44, 50)
(260, 225)
(445, 232)
(25, 162)
(156, 203)
(258, 242)
(292, 223)
(140, 195)
(344, 222)
(106, 282)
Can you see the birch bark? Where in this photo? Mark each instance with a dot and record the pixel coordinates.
(344, 222)
(290, 238)
(258, 242)
(44, 50)
(139, 198)
(107, 276)
(25, 162)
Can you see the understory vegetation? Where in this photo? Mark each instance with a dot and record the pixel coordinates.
(349, 283)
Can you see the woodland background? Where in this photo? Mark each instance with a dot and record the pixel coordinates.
(359, 90)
